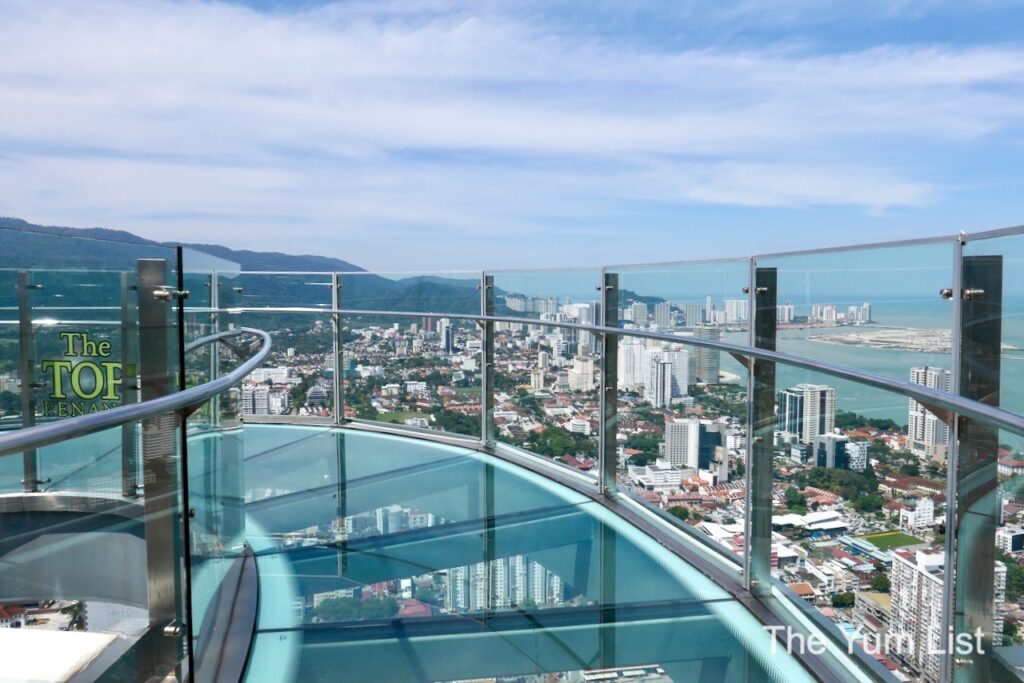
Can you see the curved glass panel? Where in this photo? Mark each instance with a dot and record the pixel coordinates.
(547, 377)
(388, 580)
(874, 308)
(681, 428)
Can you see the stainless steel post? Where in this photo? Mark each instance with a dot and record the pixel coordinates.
(609, 386)
(487, 437)
(27, 374)
(162, 485)
(760, 430)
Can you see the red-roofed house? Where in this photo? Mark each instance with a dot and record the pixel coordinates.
(11, 616)
(414, 608)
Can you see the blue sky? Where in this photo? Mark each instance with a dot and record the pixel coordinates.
(439, 134)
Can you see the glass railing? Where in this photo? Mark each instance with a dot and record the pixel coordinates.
(835, 431)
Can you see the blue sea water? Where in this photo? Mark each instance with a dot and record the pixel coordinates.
(926, 315)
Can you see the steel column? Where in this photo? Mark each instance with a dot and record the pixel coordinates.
(27, 374)
(760, 431)
(487, 362)
(337, 350)
(952, 450)
(215, 350)
(609, 390)
(162, 484)
(977, 502)
(130, 385)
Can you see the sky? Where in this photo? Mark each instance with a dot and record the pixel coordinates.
(445, 135)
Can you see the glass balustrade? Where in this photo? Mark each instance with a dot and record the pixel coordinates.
(577, 474)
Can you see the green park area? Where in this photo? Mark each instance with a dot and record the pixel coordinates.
(401, 416)
(886, 540)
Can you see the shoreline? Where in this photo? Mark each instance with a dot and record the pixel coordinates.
(896, 339)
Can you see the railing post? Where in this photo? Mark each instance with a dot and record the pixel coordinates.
(952, 456)
(608, 399)
(487, 362)
(977, 502)
(215, 350)
(337, 349)
(160, 463)
(760, 430)
(26, 370)
(130, 385)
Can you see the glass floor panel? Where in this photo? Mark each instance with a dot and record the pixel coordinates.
(387, 558)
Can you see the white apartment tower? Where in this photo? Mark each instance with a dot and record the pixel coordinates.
(663, 315)
(658, 389)
(680, 361)
(632, 363)
(736, 311)
(581, 375)
(929, 436)
(857, 452)
(537, 380)
(916, 617)
(807, 410)
(682, 443)
(639, 313)
(256, 399)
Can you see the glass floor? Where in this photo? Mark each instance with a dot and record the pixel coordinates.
(388, 558)
(392, 558)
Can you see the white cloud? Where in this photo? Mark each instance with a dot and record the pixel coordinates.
(377, 119)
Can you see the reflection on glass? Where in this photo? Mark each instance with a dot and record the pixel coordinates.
(406, 553)
(422, 373)
(547, 377)
(877, 309)
(682, 408)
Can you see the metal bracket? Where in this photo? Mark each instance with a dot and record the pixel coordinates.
(972, 294)
(166, 293)
(174, 630)
(946, 293)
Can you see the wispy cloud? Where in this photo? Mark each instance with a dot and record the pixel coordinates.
(395, 118)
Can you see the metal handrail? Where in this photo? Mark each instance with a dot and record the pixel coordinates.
(931, 398)
(62, 430)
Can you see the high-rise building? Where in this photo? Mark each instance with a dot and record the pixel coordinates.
(785, 313)
(632, 361)
(806, 411)
(581, 375)
(916, 615)
(736, 311)
(693, 314)
(708, 360)
(928, 435)
(709, 310)
(255, 399)
(663, 315)
(830, 451)
(446, 335)
(639, 311)
(562, 381)
(543, 360)
(537, 380)
(658, 389)
(857, 454)
(709, 441)
(585, 315)
(680, 360)
(682, 442)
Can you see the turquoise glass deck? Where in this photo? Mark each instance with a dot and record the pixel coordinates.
(392, 558)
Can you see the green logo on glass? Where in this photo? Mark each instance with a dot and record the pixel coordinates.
(82, 386)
